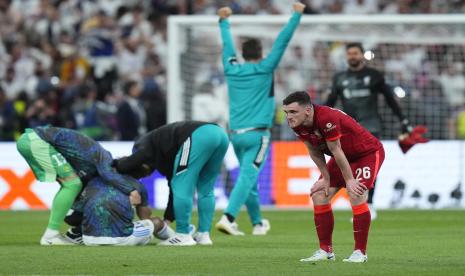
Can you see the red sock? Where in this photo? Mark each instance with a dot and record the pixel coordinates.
(362, 220)
(324, 223)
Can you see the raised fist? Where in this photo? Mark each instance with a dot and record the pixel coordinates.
(224, 12)
(298, 7)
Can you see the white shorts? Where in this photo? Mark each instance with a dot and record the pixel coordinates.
(142, 234)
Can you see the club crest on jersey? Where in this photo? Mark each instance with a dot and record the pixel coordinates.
(329, 127)
(366, 80)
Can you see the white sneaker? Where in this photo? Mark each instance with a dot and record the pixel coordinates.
(356, 257)
(179, 240)
(261, 229)
(203, 238)
(55, 240)
(228, 228)
(320, 255)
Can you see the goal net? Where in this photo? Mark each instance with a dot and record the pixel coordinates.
(422, 57)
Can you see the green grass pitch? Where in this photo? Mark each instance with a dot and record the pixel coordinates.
(400, 243)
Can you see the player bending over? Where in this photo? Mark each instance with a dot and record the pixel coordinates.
(106, 209)
(71, 159)
(108, 217)
(190, 155)
(356, 156)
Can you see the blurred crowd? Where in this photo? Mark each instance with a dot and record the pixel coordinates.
(99, 66)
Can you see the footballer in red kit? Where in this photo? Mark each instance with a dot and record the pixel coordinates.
(356, 157)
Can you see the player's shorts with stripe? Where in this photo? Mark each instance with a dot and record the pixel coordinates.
(45, 161)
(142, 234)
(365, 169)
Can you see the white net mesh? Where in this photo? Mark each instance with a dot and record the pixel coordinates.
(423, 62)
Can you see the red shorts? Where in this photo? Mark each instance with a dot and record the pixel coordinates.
(365, 169)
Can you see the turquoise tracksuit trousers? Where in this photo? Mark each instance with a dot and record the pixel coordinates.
(251, 149)
(197, 165)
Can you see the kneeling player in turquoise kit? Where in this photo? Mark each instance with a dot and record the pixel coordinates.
(189, 154)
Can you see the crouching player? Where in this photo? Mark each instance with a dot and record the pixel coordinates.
(108, 216)
(356, 158)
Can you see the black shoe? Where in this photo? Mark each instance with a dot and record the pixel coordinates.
(74, 235)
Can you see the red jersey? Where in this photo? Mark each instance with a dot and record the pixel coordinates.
(330, 124)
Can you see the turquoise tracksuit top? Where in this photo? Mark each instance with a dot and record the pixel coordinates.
(250, 85)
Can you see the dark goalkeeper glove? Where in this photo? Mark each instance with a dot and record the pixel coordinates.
(406, 126)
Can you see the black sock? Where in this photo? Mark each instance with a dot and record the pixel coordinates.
(229, 217)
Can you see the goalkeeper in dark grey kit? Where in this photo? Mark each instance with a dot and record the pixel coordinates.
(358, 88)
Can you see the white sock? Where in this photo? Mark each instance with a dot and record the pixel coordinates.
(165, 233)
(51, 233)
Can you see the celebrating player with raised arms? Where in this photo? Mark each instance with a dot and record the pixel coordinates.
(251, 108)
(356, 156)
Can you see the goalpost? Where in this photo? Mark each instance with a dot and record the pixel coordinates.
(418, 53)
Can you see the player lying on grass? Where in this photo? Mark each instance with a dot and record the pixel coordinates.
(107, 216)
(71, 159)
(190, 155)
(356, 156)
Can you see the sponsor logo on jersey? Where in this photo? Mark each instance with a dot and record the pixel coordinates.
(356, 93)
(345, 82)
(329, 127)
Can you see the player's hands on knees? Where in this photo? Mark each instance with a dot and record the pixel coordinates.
(134, 198)
(355, 187)
(298, 7)
(320, 185)
(224, 12)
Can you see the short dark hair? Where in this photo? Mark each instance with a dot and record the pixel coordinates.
(300, 97)
(355, 45)
(131, 166)
(251, 49)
